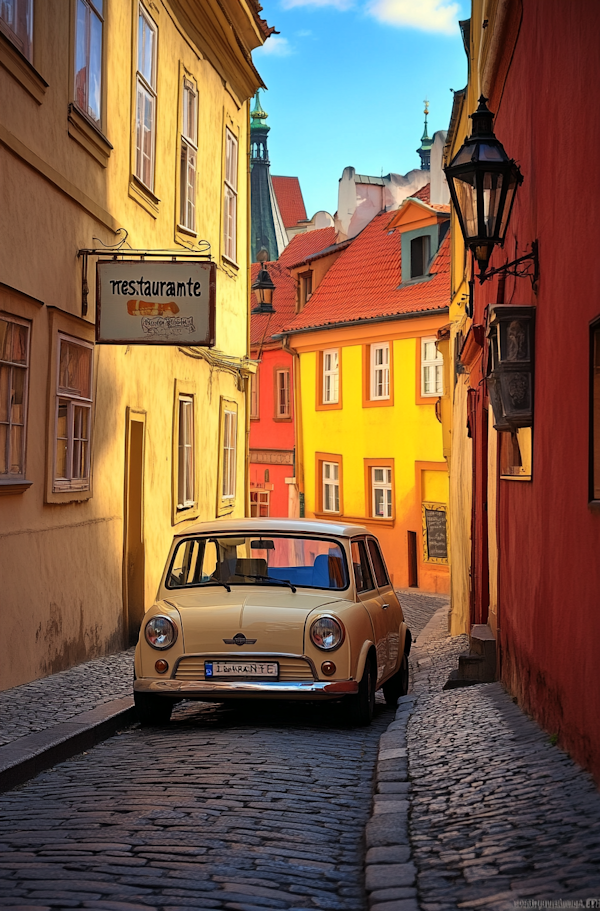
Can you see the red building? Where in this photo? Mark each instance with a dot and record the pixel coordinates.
(548, 517)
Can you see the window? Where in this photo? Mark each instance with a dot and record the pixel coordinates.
(432, 366)
(380, 370)
(230, 198)
(88, 58)
(73, 415)
(254, 413)
(14, 370)
(362, 569)
(229, 455)
(145, 100)
(419, 256)
(16, 22)
(331, 376)
(185, 474)
(378, 564)
(381, 492)
(259, 503)
(305, 279)
(189, 150)
(283, 410)
(331, 487)
(595, 413)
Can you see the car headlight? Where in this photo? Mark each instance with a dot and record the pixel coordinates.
(160, 632)
(327, 633)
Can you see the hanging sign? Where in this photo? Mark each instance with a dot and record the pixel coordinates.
(140, 302)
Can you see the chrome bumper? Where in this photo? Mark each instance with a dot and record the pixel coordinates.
(233, 689)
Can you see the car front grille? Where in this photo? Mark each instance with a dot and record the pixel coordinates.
(192, 668)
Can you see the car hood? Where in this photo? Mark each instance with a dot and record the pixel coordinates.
(274, 617)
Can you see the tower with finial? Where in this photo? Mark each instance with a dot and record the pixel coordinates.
(424, 150)
(267, 229)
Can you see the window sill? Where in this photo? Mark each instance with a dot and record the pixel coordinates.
(189, 231)
(21, 69)
(230, 262)
(378, 403)
(328, 515)
(328, 406)
(144, 196)
(185, 514)
(12, 486)
(88, 135)
(283, 420)
(66, 495)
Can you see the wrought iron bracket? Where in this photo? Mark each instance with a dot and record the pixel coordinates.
(526, 266)
(117, 251)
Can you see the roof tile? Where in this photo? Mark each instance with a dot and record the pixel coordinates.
(304, 245)
(289, 199)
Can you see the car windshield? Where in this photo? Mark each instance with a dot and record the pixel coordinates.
(250, 560)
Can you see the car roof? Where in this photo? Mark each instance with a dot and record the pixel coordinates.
(284, 526)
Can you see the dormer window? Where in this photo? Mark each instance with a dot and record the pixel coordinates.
(419, 255)
(305, 279)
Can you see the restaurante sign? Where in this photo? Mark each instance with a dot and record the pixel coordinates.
(155, 303)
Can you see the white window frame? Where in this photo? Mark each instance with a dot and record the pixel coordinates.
(9, 367)
(230, 192)
(380, 371)
(331, 486)
(23, 11)
(145, 92)
(73, 401)
(229, 454)
(431, 366)
(189, 158)
(385, 487)
(260, 498)
(186, 461)
(331, 376)
(283, 400)
(254, 397)
(93, 9)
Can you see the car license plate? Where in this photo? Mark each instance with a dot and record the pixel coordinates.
(241, 669)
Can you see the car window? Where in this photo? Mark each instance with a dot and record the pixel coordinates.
(362, 569)
(258, 560)
(378, 564)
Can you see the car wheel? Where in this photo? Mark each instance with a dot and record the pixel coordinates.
(397, 685)
(152, 710)
(361, 708)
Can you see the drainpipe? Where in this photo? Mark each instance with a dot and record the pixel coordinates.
(299, 468)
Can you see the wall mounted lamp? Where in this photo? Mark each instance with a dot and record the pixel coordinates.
(263, 289)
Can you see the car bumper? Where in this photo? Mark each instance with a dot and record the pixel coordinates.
(238, 689)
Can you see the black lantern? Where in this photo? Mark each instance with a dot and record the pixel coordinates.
(483, 181)
(263, 289)
(511, 335)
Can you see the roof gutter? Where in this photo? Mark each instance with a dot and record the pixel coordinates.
(362, 322)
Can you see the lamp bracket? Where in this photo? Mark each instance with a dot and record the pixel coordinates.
(526, 266)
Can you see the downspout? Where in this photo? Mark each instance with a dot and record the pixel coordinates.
(299, 467)
(247, 385)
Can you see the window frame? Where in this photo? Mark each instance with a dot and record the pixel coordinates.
(254, 396)
(184, 478)
(438, 362)
(361, 544)
(24, 45)
(259, 492)
(152, 92)
(385, 486)
(230, 196)
(331, 373)
(278, 414)
(425, 243)
(188, 142)
(9, 477)
(369, 466)
(305, 288)
(71, 483)
(83, 109)
(321, 459)
(374, 368)
(228, 463)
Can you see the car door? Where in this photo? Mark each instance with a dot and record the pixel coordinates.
(390, 605)
(368, 594)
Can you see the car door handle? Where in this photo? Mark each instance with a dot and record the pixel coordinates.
(384, 606)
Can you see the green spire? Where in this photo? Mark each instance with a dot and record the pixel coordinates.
(258, 116)
(424, 150)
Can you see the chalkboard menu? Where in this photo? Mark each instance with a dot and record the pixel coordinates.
(436, 542)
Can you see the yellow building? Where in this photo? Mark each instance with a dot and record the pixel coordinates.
(370, 380)
(114, 114)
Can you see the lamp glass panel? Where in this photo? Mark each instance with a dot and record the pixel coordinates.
(466, 193)
(490, 152)
(510, 194)
(492, 191)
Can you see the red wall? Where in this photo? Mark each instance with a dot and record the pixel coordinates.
(267, 433)
(549, 577)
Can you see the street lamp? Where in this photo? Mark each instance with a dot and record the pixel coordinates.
(483, 182)
(263, 289)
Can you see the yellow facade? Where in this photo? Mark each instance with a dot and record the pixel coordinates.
(80, 560)
(404, 435)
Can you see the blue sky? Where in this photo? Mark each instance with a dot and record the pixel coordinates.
(346, 82)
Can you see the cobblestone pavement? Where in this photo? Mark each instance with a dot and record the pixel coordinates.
(498, 813)
(255, 809)
(39, 705)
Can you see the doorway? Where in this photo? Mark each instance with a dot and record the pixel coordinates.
(134, 576)
(413, 579)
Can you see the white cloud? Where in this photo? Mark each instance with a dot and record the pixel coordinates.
(338, 4)
(427, 15)
(277, 47)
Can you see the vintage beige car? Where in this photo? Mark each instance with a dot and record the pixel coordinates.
(272, 609)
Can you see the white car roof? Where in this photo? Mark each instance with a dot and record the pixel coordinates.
(284, 526)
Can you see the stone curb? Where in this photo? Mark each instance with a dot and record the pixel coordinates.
(390, 875)
(26, 757)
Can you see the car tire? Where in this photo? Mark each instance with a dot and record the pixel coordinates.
(397, 685)
(152, 711)
(361, 708)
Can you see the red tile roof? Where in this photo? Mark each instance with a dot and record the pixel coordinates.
(364, 282)
(289, 199)
(424, 194)
(304, 245)
(264, 325)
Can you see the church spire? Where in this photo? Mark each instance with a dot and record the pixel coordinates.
(258, 115)
(424, 150)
